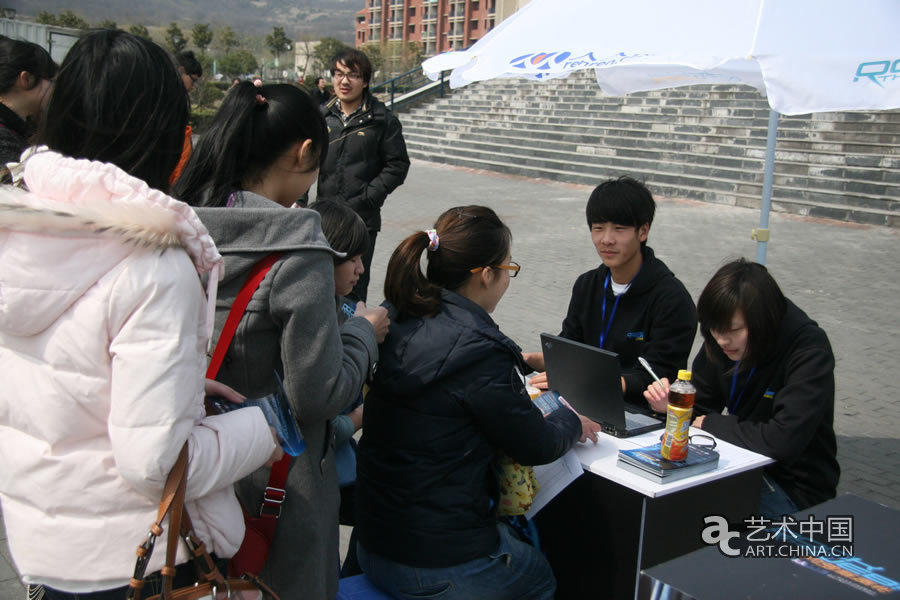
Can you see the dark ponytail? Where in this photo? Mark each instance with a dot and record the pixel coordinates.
(248, 135)
(469, 237)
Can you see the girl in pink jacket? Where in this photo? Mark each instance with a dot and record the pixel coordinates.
(103, 332)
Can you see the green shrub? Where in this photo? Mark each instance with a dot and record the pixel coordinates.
(200, 119)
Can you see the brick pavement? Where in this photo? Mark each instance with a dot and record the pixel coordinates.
(843, 275)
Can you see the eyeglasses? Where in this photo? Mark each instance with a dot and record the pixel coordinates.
(338, 75)
(513, 267)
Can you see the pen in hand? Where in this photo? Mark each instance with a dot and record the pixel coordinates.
(647, 366)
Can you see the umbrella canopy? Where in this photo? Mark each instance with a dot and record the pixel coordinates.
(803, 55)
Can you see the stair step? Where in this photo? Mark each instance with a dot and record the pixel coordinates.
(701, 142)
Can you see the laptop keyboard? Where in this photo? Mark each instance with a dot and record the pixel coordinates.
(634, 420)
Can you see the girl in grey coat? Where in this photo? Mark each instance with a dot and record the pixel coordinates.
(261, 153)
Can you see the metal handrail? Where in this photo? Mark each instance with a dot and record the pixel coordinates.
(412, 84)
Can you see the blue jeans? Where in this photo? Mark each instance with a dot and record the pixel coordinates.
(515, 570)
(773, 500)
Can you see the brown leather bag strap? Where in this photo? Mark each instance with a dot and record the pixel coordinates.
(174, 482)
(176, 510)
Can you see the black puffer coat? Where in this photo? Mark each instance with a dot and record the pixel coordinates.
(445, 400)
(14, 134)
(366, 160)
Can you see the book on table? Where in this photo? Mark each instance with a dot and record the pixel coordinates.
(648, 462)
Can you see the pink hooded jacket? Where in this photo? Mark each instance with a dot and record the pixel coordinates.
(103, 339)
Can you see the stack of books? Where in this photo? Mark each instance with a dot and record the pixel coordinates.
(648, 462)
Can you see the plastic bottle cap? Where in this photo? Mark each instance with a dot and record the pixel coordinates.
(684, 375)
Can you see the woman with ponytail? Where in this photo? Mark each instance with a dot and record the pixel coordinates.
(448, 397)
(261, 153)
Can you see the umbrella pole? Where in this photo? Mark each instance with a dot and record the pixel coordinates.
(761, 235)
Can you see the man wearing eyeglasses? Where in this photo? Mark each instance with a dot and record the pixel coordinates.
(367, 157)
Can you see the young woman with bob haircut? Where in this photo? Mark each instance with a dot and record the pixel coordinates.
(261, 153)
(447, 398)
(103, 335)
(765, 379)
(26, 78)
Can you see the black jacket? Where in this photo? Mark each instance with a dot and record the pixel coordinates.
(14, 134)
(655, 319)
(445, 399)
(366, 159)
(786, 411)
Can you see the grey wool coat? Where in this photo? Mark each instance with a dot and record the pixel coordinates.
(290, 327)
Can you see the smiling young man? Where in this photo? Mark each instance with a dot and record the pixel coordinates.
(631, 304)
(367, 157)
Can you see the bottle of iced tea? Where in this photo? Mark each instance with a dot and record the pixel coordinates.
(678, 417)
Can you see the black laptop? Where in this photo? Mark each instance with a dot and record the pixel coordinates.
(589, 378)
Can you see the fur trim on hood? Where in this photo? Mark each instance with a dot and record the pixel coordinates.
(71, 203)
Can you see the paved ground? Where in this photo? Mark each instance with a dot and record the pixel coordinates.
(843, 275)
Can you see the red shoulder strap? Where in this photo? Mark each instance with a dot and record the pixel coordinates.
(257, 274)
(274, 495)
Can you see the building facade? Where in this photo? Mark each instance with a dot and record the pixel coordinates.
(436, 25)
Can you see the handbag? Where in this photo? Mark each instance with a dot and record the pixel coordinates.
(211, 584)
(518, 486)
(251, 557)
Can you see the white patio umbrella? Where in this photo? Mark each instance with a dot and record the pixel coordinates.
(804, 55)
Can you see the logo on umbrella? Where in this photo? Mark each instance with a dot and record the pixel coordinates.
(542, 62)
(884, 70)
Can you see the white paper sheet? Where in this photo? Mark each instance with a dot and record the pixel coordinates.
(553, 478)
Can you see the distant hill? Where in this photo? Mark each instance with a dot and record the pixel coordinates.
(300, 18)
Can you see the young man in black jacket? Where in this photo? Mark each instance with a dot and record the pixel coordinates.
(631, 304)
(367, 157)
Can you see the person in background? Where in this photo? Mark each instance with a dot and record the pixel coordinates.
(320, 93)
(26, 78)
(103, 335)
(367, 157)
(448, 397)
(632, 304)
(346, 233)
(765, 382)
(191, 71)
(261, 152)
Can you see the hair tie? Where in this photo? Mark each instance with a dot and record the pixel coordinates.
(260, 99)
(434, 240)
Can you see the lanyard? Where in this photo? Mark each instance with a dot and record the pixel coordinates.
(733, 409)
(604, 331)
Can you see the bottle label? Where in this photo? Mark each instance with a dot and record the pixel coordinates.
(675, 439)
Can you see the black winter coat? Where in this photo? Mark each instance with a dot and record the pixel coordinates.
(14, 134)
(785, 410)
(445, 399)
(366, 160)
(655, 319)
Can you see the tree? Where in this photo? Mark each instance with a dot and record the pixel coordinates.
(325, 51)
(202, 36)
(228, 39)
(277, 42)
(107, 24)
(139, 30)
(69, 19)
(376, 57)
(45, 18)
(175, 39)
(238, 63)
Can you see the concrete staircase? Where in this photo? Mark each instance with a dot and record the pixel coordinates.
(700, 142)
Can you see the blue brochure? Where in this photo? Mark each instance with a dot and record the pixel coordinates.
(278, 413)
